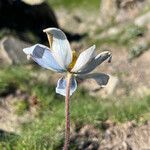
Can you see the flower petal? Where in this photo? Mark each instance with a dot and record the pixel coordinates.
(43, 56)
(101, 78)
(61, 86)
(97, 60)
(83, 59)
(60, 46)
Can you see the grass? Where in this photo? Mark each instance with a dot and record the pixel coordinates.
(47, 130)
(73, 4)
(124, 37)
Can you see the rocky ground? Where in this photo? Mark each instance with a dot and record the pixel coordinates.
(127, 136)
(129, 68)
(128, 39)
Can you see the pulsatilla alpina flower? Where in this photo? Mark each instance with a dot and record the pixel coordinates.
(61, 58)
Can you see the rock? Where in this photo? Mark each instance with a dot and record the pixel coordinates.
(105, 91)
(129, 9)
(107, 124)
(114, 137)
(33, 2)
(139, 139)
(143, 20)
(107, 16)
(10, 121)
(139, 48)
(133, 76)
(23, 18)
(112, 31)
(11, 51)
(27, 17)
(109, 89)
(86, 139)
(126, 136)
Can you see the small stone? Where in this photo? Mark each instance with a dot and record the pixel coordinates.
(11, 51)
(112, 84)
(104, 91)
(143, 20)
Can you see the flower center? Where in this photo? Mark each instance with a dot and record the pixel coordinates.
(74, 59)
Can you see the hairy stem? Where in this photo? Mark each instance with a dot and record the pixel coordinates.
(67, 131)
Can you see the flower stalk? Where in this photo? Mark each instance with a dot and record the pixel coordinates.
(67, 108)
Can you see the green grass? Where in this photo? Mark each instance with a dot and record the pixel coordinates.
(126, 37)
(74, 4)
(47, 130)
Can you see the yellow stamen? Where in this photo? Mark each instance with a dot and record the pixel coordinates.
(50, 39)
(74, 59)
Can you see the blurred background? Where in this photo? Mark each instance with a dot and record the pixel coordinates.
(114, 117)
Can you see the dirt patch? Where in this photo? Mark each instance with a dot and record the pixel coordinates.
(127, 136)
(15, 109)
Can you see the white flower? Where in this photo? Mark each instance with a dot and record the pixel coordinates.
(60, 58)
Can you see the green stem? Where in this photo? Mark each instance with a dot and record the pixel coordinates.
(67, 131)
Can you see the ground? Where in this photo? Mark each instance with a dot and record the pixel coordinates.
(32, 114)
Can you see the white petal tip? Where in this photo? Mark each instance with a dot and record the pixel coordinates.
(109, 53)
(106, 53)
(27, 51)
(94, 46)
(24, 50)
(48, 30)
